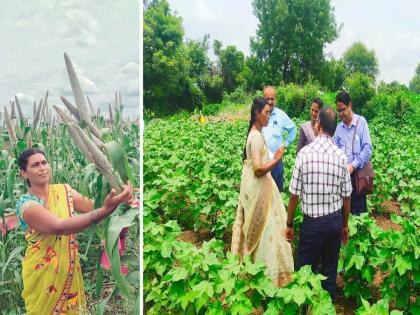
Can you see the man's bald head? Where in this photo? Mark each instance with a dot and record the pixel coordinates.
(328, 120)
(270, 96)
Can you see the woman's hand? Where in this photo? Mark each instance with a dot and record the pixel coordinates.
(112, 201)
(280, 152)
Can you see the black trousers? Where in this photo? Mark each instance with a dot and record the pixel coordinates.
(320, 240)
(358, 204)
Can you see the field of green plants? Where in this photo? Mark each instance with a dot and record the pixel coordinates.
(191, 183)
(117, 139)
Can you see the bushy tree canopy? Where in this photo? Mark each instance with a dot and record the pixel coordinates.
(415, 82)
(290, 38)
(358, 58)
(231, 63)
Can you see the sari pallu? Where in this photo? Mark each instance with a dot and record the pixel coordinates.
(261, 217)
(52, 277)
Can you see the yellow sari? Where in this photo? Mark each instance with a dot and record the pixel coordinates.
(52, 278)
(260, 224)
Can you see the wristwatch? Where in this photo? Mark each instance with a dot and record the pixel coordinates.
(289, 225)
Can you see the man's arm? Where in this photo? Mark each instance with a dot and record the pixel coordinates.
(291, 208)
(346, 190)
(295, 189)
(365, 146)
(346, 211)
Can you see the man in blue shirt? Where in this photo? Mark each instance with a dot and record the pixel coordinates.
(359, 151)
(279, 123)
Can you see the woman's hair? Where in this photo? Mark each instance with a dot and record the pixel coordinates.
(257, 106)
(24, 157)
(318, 101)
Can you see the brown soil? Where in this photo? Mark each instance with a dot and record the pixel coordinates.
(258, 311)
(385, 223)
(188, 236)
(195, 238)
(379, 277)
(242, 114)
(343, 305)
(392, 206)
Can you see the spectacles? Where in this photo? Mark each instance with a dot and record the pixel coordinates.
(270, 99)
(341, 110)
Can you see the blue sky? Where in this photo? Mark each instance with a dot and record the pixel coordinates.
(390, 28)
(101, 37)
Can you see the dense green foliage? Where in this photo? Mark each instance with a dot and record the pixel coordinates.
(192, 174)
(290, 38)
(230, 63)
(361, 88)
(359, 59)
(287, 48)
(415, 81)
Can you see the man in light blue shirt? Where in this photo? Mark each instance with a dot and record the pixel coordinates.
(279, 123)
(359, 151)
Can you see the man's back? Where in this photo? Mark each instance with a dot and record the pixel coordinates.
(321, 177)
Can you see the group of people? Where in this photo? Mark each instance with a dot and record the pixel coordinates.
(323, 178)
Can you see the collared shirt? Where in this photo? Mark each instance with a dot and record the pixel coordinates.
(273, 133)
(320, 177)
(359, 152)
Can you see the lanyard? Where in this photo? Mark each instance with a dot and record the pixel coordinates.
(353, 138)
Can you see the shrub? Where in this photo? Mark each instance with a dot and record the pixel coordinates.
(394, 109)
(296, 100)
(238, 96)
(211, 109)
(361, 89)
(212, 86)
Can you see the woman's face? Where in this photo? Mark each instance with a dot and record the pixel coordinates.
(37, 170)
(264, 116)
(314, 112)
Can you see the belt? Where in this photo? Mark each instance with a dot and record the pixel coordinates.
(322, 217)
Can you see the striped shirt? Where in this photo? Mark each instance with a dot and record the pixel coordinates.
(320, 177)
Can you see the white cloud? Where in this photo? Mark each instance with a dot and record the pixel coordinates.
(127, 80)
(203, 13)
(79, 27)
(100, 36)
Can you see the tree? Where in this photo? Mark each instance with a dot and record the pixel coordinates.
(415, 82)
(361, 88)
(332, 74)
(290, 38)
(231, 63)
(358, 58)
(197, 53)
(164, 54)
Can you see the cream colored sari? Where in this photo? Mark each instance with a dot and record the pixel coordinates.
(260, 224)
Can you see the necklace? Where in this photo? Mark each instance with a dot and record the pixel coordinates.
(44, 199)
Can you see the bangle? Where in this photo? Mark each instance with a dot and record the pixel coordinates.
(97, 215)
(92, 214)
(289, 225)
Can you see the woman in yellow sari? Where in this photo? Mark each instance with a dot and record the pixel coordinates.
(261, 216)
(52, 278)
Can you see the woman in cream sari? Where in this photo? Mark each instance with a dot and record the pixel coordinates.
(52, 278)
(260, 221)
